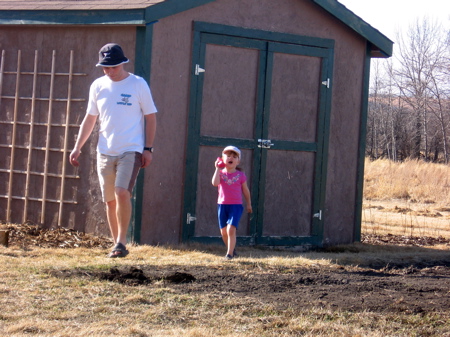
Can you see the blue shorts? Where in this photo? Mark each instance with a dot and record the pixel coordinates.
(229, 215)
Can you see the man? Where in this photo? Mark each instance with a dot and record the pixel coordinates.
(123, 104)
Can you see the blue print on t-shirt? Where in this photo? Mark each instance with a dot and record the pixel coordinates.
(125, 99)
(228, 180)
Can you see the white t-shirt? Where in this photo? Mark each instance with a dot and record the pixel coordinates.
(120, 107)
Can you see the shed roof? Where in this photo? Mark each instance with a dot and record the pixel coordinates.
(142, 12)
(75, 4)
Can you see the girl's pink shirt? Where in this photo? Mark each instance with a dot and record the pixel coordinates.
(230, 187)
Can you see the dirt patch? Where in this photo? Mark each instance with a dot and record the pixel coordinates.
(404, 240)
(131, 276)
(412, 289)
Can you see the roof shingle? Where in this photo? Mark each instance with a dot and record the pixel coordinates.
(75, 4)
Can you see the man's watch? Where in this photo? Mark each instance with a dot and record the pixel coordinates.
(148, 149)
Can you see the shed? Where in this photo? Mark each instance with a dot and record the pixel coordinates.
(286, 81)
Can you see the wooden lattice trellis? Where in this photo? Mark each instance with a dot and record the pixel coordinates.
(11, 122)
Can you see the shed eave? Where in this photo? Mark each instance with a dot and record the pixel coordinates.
(167, 8)
(381, 44)
(134, 17)
(142, 16)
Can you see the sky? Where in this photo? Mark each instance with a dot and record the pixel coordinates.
(390, 16)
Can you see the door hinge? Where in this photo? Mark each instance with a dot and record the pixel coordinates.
(265, 143)
(198, 70)
(326, 83)
(190, 218)
(318, 215)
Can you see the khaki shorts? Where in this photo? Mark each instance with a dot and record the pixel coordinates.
(117, 171)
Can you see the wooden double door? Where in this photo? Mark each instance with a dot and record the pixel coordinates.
(267, 94)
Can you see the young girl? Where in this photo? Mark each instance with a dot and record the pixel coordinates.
(232, 184)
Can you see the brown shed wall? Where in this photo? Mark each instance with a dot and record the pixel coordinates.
(172, 45)
(170, 79)
(89, 214)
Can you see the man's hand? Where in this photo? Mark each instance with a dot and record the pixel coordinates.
(74, 156)
(147, 158)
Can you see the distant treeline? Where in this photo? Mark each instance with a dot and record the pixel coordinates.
(409, 102)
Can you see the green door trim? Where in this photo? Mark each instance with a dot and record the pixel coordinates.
(362, 147)
(256, 39)
(319, 147)
(263, 35)
(143, 52)
(196, 85)
(324, 129)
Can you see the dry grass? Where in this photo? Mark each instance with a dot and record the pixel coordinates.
(410, 198)
(35, 303)
(415, 181)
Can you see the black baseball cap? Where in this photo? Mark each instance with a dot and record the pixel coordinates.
(111, 55)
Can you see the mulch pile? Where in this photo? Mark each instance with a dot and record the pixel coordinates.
(30, 234)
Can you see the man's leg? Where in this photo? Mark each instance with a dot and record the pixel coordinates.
(106, 168)
(119, 216)
(128, 167)
(123, 213)
(111, 213)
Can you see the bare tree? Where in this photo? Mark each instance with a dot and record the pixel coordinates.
(409, 101)
(418, 77)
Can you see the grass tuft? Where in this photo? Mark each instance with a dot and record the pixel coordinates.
(410, 198)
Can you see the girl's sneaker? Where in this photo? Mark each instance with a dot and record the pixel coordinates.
(228, 257)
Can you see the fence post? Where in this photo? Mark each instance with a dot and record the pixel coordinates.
(4, 237)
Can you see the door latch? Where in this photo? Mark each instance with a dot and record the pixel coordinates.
(265, 143)
(190, 218)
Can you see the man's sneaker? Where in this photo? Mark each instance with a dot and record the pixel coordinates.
(228, 257)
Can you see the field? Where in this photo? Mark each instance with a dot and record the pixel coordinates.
(409, 199)
(394, 283)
